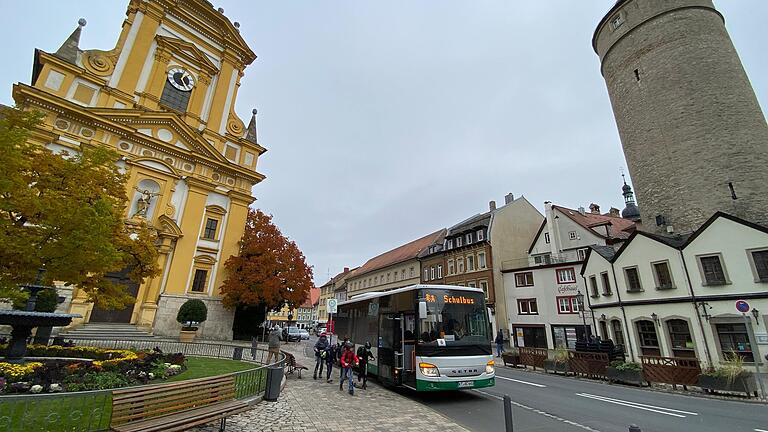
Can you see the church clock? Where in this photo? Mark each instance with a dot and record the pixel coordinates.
(181, 79)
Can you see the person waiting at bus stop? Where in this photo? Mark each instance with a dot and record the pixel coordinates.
(499, 343)
(321, 346)
(363, 354)
(348, 361)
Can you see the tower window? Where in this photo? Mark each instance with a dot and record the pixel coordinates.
(174, 98)
(637, 74)
(616, 22)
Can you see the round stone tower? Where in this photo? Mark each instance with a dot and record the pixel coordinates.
(693, 133)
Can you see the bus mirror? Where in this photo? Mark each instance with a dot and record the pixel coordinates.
(422, 310)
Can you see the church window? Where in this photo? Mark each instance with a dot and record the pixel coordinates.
(198, 283)
(211, 226)
(174, 98)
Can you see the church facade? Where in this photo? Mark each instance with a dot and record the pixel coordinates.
(164, 99)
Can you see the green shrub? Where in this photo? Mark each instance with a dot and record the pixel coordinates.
(192, 313)
(626, 366)
(47, 300)
(96, 381)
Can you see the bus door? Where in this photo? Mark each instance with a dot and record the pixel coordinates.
(390, 348)
(409, 349)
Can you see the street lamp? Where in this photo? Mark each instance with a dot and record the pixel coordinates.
(655, 318)
(580, 301)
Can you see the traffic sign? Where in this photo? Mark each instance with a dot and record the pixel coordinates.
(331, 305)
(742, 306)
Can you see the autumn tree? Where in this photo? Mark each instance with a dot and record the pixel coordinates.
(269, 271)
(65, 212)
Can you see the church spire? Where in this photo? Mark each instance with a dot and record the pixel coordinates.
(630, 208)
(70, 48)
(251, 132)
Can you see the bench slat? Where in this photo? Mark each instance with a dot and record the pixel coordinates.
(159, 388)
(169, 392)
(142, 413)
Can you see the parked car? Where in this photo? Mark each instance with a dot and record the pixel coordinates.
(304, 334)
(291, 334)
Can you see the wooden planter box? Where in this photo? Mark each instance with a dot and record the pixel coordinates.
(745, 383)
(510, 359)
(556, 367)
(633, 377)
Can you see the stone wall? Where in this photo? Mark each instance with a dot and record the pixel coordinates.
(687, 115)
(218, 326)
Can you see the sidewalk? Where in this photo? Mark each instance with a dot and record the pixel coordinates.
(307, 405)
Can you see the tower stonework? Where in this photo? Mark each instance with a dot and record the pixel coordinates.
(693, 133)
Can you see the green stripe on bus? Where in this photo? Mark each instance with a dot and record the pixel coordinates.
(422, 385)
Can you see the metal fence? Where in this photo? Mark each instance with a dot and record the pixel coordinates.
(91, 411)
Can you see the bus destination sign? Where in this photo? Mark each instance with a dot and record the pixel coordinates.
(431, 298)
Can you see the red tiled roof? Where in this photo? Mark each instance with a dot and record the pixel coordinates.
(403, 253)
(314, 297)
(618, 227)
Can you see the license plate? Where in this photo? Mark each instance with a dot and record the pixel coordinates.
(465, 384)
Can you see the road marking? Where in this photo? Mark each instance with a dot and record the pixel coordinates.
(761, 430)
(637, 405)
(538, 411)
(521, 382)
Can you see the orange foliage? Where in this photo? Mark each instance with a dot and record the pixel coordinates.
(270, 269)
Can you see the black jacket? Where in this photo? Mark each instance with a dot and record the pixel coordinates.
(499, 338)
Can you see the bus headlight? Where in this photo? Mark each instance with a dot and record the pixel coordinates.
(490, 367)
(428, 369)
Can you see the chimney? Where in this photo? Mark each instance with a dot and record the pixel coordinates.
(492, 205)
(594, 208)
(614, 212)
(346, 269)
(582, 211)
(508, 198)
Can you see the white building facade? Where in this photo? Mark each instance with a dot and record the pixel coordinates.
(676, 296)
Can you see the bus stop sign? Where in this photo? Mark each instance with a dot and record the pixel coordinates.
(331, 305)
(742, 306)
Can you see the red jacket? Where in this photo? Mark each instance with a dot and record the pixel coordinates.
(348, 359)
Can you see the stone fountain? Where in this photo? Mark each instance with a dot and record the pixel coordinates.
(23, 321)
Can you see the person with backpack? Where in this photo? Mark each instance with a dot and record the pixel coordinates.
(363, 355)
(321, 346)
(348, 361)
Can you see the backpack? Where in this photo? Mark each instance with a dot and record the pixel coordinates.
(361, 352)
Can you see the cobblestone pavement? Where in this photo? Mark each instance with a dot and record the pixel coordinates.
(307, 405)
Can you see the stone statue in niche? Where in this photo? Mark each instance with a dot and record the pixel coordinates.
(145, 199)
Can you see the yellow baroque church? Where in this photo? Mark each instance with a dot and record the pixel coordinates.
(163, 98)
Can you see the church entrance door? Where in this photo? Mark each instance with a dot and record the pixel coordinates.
(117, 315)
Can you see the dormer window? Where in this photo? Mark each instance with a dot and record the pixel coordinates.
(469, 238)
(480, 236)
(449, 244)
(458, 241)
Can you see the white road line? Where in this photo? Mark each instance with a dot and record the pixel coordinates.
(641, 404)
(521, 382)
(633, 405)
(544, 413)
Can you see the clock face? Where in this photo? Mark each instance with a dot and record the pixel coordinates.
(181, 79)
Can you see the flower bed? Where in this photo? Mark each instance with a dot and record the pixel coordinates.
(109, 369)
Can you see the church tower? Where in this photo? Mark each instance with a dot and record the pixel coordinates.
(164, 99)
(694, 136)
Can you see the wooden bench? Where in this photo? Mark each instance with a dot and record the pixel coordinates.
(291, 365)
(175, 406)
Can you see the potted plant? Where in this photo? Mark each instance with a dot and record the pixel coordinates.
(559, 362)
(731, 377)
(625, 372)
(511, 358)
(190, 315)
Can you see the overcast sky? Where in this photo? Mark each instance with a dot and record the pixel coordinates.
(387, 120)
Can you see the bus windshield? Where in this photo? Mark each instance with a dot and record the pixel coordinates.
(454, 318)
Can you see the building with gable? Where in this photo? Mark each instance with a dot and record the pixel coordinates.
(543, 289)
(164, 99)
(675, 296)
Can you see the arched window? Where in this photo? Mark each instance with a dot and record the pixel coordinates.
(649, 339)
(680, 337)
(618, 333)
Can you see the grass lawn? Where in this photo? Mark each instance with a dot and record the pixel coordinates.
(91, 411)
(199, 367)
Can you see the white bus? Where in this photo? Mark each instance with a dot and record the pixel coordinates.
(424, 337)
